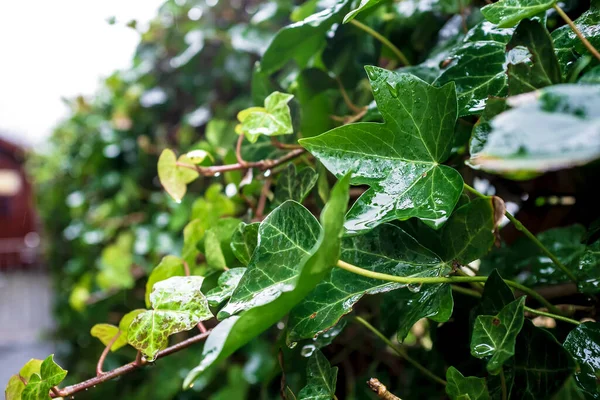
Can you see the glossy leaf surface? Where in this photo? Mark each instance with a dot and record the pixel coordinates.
(508, 13)
(293, 185)
(244, 241)
(321, 379)
(583, 343)
(465, 388)
(39, 385)
(228, 281)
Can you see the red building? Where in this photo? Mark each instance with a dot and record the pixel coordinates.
(19, 239)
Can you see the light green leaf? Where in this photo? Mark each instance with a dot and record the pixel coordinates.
(227, 283)
(286, 240)
(583, 343)
(115, 264)
(14, 388)
(39, 385)
(106, 332)
(169, 266)
(568, 46)
(478, 67)
(302, 40)
(293, 185)
(461, 388)
(400, 159)
(173, 177)
(321, 379)
(213, 252)
(385, 249)
(32, 366)
(540, 68)
(554, 128)
(272, 120)
(363, 6)
(177, 305)
(236, 331)
(495, 336)
(508, 13)
(244, 241)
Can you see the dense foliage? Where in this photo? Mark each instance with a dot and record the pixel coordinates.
(319, 194)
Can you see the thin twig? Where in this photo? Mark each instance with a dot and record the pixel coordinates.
(186, 268)
(383, 40)
(262, 201)
(503, 384)
(70, 390)
(263, 165)
(574, 28)
(381, 390)
(105, 353)
(238, 151)
(353, 107)
(284, 146)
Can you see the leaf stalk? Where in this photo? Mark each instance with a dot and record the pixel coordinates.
(383, 40)
(576, 30)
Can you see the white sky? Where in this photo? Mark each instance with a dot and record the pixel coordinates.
(59, 48)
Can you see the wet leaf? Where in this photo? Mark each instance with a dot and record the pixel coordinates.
(587, 270)
(400, 159)
(286, 240)
(244, 241)
(495, 336)
(540, 68)
(568, 46)
(173, 177)
(274, 119)
(302, 40)
(583, 343)
(386, 249)
(591, 77)
(39, 385)
(508, 13)
(106, 332)
(293, 185)
(469, 388)
(321, 379)
(227, 283)
(554, 128)
(482, 128)
(496, 295)
(478, 67)
(363, 6)
(177, 305)
(234, 332)
(168, 267)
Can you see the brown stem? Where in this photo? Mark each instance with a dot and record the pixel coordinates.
(202, 328)
(186, 268)
(105, 353)
(238, 151)
(70, 390)
(262, 165)
(284, 146)
(55, 390)
(381, 390)
(262, 201)
(353, 107)
(574, 28)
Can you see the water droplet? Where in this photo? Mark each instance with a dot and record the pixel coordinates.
(414, 287)
(292, 345)
(371, 73)
(393, 88)
(308, 350)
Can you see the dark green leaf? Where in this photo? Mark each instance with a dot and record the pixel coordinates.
(321, 379)
(236, 331)
(482, 128)
(228, 281)
(508, 13)
(461, 388)
(556, 127)
(496, 295)
(177, 305)
(540, 68)
(386, 249)
(302, 40)
(400, 159)
(495, 336)
(286, 240)
(243, 241)
(478, 67)
(583, 343)
(587, 270)
(294, 186)
(591, 77)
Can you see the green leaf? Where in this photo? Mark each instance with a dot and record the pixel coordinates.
(508, 13)
(227, 283)
(478, 67)
(286, 240)
(321, 379)
(39, 385)
(495, 336)
(592, 77)
(236, 331)
(173, 177)
(274, 119)
(33, 366)
(469, 233)
(496, 295)
(115, 264)
(568, 46)
(363, 6)
(292, 185)
(587, 270)
(386, 249)
(400, 159)
(177, 305)
(482, 128)
(106, 332)
(168, 267)
(217, 243)
(244, 241)
(302, 40)
(583, 343)
(236, 386)
(315, 91)
(541, 364)
(554, 128)
(213, 252)
(461, 388)
(14, 388)
(540, 68)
